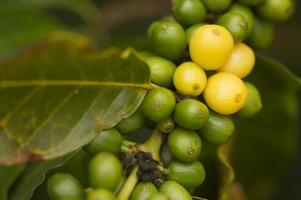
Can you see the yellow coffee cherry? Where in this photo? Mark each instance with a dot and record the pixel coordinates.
(189, 79)
(241, 61)
(225, 93)
(210, 46)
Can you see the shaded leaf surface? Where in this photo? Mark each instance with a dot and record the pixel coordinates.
(59, 95)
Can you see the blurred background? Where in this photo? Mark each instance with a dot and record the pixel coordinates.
(123, 23)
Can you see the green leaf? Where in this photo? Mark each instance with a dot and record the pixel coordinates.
(33, 176)
(8, 174)
(59, 94)
(265, 145)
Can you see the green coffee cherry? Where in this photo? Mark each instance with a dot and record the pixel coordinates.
(189, 12)
(251, 2)
(145, 55)
(109, 140)
(190, 30)
(159, 196)
(185, 145)
(167, 39)
(190, 175)
(100, 194)
(165, 154)
(276, 10)
(166, 126)
(105, 171)
(158, 104)
(236, 24)
(174, 191)
(143, 191)
(217, 5)
(262, 35)
(162, 71)
(62, 185)
(191, 114)
(253, 105)
(131, 123)
(246, 12)
(218, 129)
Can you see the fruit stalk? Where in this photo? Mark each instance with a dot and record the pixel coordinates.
(129, 185)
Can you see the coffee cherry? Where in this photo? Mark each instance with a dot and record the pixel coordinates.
(101, 194)
(236, 24)
(253, 105)
(251, 2)
(174, 191)
(105, 171)
(189, 79)
(210, 46)
(166, 126)
(190, 175)
(218, 129)
(189, 12)
(241, 61)
(190, 30)
(217, 5)
(143, 191)
(276, 10)
(262, 35)
(225, 93)
(132, 123)
(185, 145)
(158, 104)
(191, 114)
(167, 39)
(159, 196)
(108, 140)
(165, 154)
(162, 71)
(62, 185)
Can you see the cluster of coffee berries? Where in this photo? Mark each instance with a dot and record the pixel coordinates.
(197, 59)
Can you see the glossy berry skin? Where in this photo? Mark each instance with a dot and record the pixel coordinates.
(158, 104)
(210, 46)
(143, 191)
(262, 35)
(105, 171)
(276, 10)
(191, 114)
(165, 154)
(236, 24)
(190, 79)
(189, 12)
(131, 124)
(62, 185)
(185, 145)
(218, 129)
(162, 71)
(225, 93)
(190, 30)
(251, 2)
(166, 126)
(217, 5)
(101, 194)
(109, 140)
(174, 191)
(254, 103)
(190, 175)
(246, 12)
(159, 196)
(167, 39)
(241, 61)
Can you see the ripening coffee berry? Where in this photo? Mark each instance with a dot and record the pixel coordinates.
(174, 191)
(167, 39)
(143, 191)
(191, 114)
(241, 61)
(225, 93)
(236, 24)
(190, 30)
(189, 12)
(218, 129)
(189, 79)
(190, 175)
(158, 196)
(217, 5)
(165, 154)
(210, 46)
(276, 10)
(131, 124)
(253, 105)
(158, 104)
(100, 194)
(262, 35)
(185, 145)
(166, 126)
